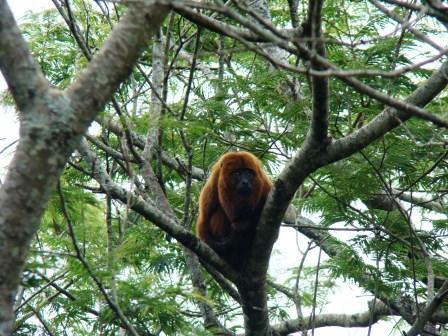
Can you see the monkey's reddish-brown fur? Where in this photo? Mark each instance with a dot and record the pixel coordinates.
(227, 220)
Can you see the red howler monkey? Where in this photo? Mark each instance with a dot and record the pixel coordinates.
(230, 205)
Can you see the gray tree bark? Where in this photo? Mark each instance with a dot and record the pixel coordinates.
(52, 123)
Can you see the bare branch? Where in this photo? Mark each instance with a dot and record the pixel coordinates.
(383, 201)
(335, 320)
(424, 202)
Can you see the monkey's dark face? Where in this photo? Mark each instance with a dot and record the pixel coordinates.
(243, 181)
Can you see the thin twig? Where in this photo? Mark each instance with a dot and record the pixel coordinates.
(114, 306)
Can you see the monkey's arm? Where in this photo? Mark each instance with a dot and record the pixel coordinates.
(220, 235)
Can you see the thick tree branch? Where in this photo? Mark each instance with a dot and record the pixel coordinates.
(335, 320)
(319, 85)
(384, 201)
(424, 202)
(22, 74)
(50, 130)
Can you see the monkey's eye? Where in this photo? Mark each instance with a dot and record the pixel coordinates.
(250, 172)
(243, 172)
(236, 173)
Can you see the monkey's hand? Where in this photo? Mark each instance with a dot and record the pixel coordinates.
(222, 244)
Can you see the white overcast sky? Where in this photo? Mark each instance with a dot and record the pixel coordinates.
(348, 299)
